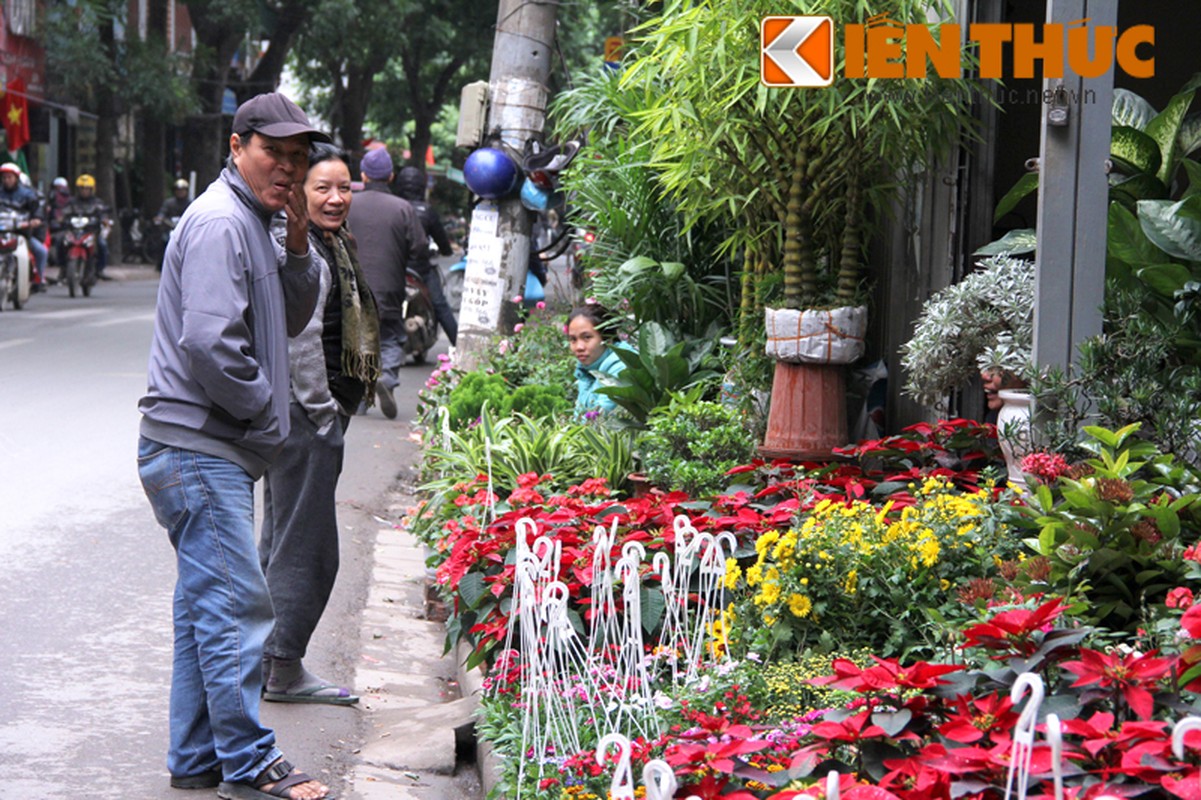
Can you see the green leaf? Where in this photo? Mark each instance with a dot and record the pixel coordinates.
(1134, 151)
(1165, 279)
(1164, 129)
(1174, 228)
(1131, 110)
(1126, 240)
(472, 589)
(653, 607)
(672, 270)
(1022, 240)
(1025, 185)
(1189, 137)
(1193, 170)
(637, 264)
(1143, 186)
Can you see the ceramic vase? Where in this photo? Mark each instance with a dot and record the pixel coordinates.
(1014, 431)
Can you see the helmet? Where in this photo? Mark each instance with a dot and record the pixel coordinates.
(85, 181)
(490, 173)
(60, 183)
(539, 198)
(181, 184)
(9, 166)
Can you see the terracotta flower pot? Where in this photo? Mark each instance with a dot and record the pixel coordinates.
(808, 416)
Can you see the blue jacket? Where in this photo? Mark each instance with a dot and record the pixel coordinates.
(587, 382)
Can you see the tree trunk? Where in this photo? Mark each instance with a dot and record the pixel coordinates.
(106, 139)
(152, 146)
(266, 74)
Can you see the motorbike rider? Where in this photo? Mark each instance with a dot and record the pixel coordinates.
(85, 203)
(390, 235)
(174, 205)
(22, 198)
(410, 184)
(60, 195)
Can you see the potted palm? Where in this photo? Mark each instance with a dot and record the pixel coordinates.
(803, 173)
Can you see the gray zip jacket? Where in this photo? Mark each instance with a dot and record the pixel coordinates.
(218, 376)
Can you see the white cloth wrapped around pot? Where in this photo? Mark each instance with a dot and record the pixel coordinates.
(816, 336)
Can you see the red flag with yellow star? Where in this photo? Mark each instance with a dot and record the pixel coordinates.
(14, 114)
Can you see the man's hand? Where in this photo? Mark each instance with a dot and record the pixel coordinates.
(297, 212)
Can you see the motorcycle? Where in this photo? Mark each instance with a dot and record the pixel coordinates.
(81, 239)
(15, 266)
(421, 325)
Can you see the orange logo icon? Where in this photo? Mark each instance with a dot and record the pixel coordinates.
(796, 51)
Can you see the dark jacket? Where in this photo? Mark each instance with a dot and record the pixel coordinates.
(91, 207)
(410, 184)
(390, 238)
(21, 198)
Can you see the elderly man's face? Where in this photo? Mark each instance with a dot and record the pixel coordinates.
(271, 167)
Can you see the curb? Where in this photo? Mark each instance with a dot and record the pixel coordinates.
(471, 684)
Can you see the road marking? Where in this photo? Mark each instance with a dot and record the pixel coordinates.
(14, 343)
(69, 313)
(147, 317)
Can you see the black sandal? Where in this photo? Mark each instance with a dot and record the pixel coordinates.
(281, 773)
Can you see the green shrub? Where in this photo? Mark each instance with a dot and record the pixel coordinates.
(540, 400)
(475, 389)
(690, 444)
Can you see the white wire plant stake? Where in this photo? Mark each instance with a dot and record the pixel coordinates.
(1023, 733)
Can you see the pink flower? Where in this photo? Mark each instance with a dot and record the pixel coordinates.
(1045, 466)
(517, 298)
(503, 347)
(443, 357)
(1180, 597)
(1193, 553)
(540, 305)
(517, 328)
(589, 301)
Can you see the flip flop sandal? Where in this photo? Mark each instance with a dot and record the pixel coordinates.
(281, 773)
(312, 694)
(204, 780)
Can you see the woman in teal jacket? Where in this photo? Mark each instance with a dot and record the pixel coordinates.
(595, 357)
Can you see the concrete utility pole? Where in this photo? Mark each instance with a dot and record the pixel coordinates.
(521, 62)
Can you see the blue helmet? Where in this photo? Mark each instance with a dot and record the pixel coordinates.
(490, 173)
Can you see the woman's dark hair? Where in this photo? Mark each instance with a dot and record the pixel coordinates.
(321, 151)
(593, 313)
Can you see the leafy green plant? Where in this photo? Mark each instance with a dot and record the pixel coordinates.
(540, 400)
(472, 393)
(661, 365)
(1111, 527)
(507, 446)
(619, 198)
(690, 444)
(983, 323)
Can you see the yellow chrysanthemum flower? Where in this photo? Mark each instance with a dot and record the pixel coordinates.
(799, 605)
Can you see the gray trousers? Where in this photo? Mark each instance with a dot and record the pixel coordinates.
(298, 545)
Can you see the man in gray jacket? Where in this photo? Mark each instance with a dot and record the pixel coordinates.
(214, 416)
(390, 239)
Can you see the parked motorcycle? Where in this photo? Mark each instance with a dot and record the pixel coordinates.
(82, 241)
(15, 266)
(421, 325)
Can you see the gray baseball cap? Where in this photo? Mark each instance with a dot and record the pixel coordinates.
(276, 116)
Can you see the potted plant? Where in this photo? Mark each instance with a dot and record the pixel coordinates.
(982, 327)
(805, 175)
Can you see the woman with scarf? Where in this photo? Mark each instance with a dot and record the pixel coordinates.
(334, 363)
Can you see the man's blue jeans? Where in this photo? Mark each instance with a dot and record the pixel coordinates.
(222, 611)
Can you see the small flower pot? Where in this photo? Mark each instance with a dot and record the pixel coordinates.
(640, 485)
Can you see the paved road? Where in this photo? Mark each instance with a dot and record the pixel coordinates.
(85, 610)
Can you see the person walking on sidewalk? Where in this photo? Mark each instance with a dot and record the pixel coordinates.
(214, 417)
(334, 363)
(390, 236)
(410, 184)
